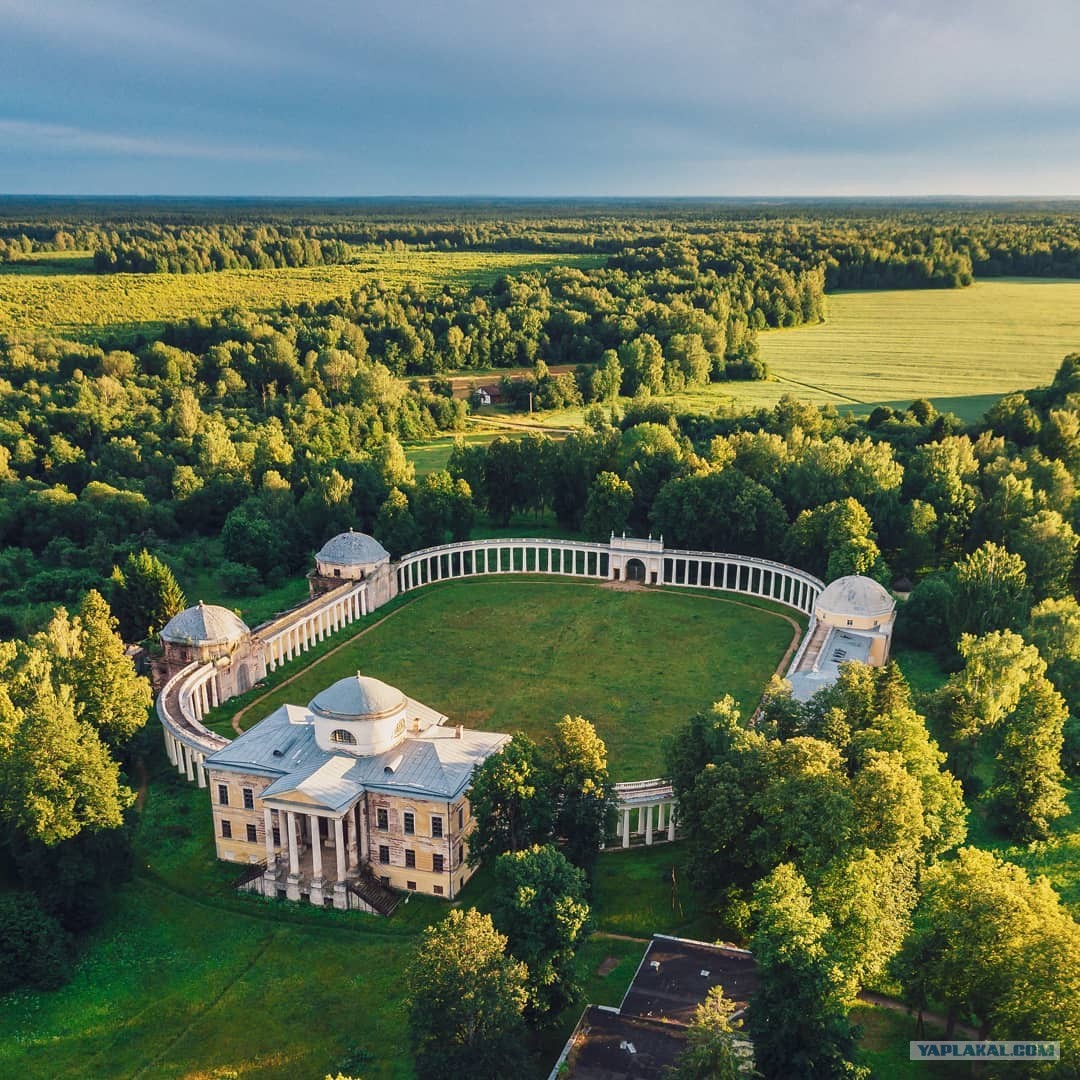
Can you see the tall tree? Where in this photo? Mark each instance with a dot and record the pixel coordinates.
(714, 1049)
(608, 506)
(584, 794)
(465, 999)
(145, 595)
(511, 800)
(539, 903)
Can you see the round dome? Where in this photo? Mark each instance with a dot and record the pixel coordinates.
(352, 549)
(357, 697)
(204, 624)
(855, 595)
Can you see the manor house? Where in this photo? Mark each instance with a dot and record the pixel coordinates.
(362, 791)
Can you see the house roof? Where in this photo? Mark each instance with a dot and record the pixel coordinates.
(204, 624)
(352, 549)
(434, 764)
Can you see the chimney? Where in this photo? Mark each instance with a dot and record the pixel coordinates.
(458, 729)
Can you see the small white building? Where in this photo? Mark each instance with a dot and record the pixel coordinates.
(354, 556)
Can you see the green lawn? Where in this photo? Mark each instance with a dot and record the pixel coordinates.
(518, 655)
(43, 299)
(885, 1038)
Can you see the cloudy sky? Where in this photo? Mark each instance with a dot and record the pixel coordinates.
(559, 97)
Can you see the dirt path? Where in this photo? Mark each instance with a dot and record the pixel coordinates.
(882, 1001)
(315, 663)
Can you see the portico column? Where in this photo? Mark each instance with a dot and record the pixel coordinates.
(626, 826)
(316, 846)
(215, 698)
(339, 848)
(648, 825)
(354, 855)
(268, 834)
(641, 820)
(671, 822)
(294, 843)
(200, 769)
(363, 603)
(660, 807)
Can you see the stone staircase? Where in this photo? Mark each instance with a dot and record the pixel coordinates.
(376, 896)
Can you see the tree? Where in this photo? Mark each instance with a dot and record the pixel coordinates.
(465, 1000)
(1028, 795)
(989, 592)
(395, 527)
(1055, 630)
(714, 1050)
(993, 945)
(607, 509)
(511, 800)
(56, 775)
(798, 1017)
(607, 377)
(835, 539)
(145, 595)
(539, 903)
(89, 656)
(1047, 544)
(442, 509)
(584, 795)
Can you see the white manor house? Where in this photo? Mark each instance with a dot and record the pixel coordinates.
(361, 795)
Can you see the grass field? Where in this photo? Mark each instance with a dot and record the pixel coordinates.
(43, 299)
(518, 655)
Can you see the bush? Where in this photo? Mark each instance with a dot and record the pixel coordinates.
(34, 949)
(239, 578)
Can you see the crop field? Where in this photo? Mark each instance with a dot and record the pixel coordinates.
(41, 298)
(958, 347)
(519, 655)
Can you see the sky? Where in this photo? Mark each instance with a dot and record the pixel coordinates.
(559, 98)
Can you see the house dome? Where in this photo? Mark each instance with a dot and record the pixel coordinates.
(855, 596)
(358, 697)
(204, 624)
(352, 549)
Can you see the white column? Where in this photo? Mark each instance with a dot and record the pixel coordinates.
(168, 746)
(200, 769)
(660, 807)
(187, 762)
(363, 603)
(178, 750)
(671, 822)
(268, 834)
(316, 846)
(641, 820)
(215, 698)
(648, 825)
(339, 848)
(626, 826)
(354, 854)
(294, 843)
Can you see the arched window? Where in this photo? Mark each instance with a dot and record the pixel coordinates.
(340, 735)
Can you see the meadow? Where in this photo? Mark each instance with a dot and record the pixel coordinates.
(518, 655)
(44, 297)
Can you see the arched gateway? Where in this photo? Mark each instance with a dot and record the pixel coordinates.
(855, 610)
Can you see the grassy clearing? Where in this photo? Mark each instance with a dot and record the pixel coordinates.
(885, 1038)
(518, 655)
(43, 299)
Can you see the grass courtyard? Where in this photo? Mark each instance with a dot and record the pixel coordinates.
(518, 655)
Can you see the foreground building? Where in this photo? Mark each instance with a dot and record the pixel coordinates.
(362, 791)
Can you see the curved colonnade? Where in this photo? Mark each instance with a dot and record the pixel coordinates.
(646, 809)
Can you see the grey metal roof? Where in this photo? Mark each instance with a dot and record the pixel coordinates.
(352, 549)
(856, 595)
(204, 624)
(434, 764)
(840, 647)
(357, 697)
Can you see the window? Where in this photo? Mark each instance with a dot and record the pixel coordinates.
(436, 827)
(249, 799)
(411, 885)
(384, 854)
(226, 829)
(437, 863)
(337, 571)
(410, 859)
(382, 820)
(410, 823)
(438, 890)
(251, 834)
(277, 836)
(851, 622)
(340, 735)
(460, 853)
(223, 794)
(385, 881)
